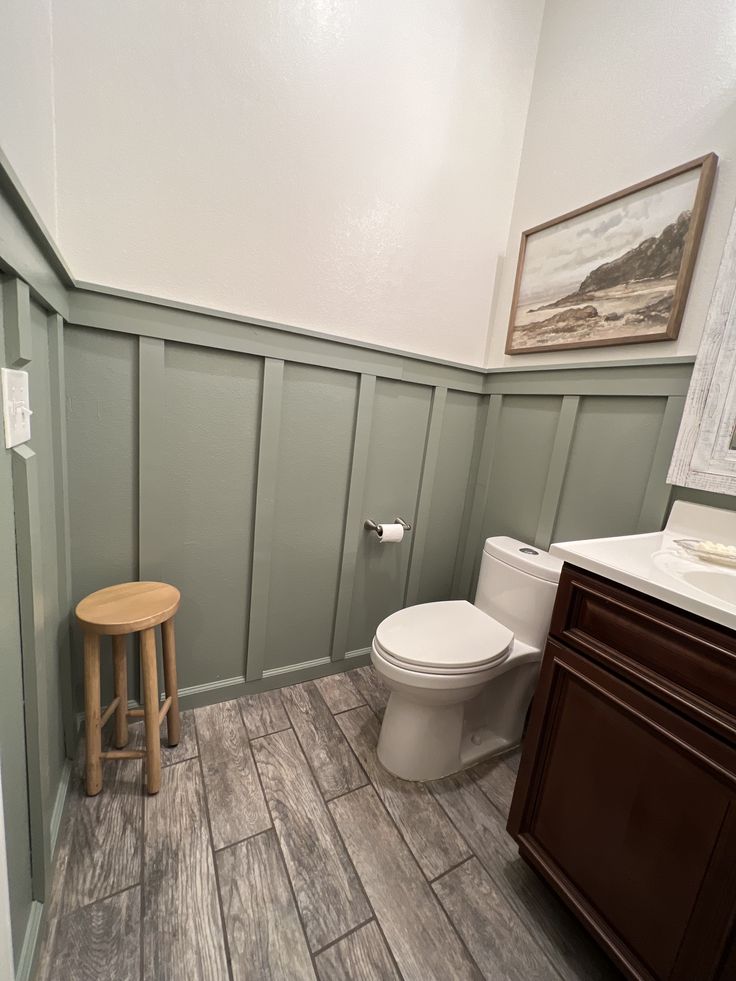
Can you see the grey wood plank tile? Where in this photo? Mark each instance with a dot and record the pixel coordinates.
(361, 956)
(186, 748)
(513, 759)
(562, 939)
(371, 688)
(182, 928)
(497, 780)
(498, 940)
(428, 832)
(328, 893)
(235, 800)
(101, 942)
(416, 927)
(263, 713)
(335, 767)
(339, 692)
(103, 851)
(264, 933)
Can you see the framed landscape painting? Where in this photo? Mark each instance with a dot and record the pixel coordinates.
(616, 271)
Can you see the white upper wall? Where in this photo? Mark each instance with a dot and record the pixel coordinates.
(346, 166)
(623, 91)
(27, 100)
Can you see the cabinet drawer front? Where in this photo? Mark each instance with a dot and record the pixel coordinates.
(696, 660)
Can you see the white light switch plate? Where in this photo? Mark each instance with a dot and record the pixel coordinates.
(16, 408)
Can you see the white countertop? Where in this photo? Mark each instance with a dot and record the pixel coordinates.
(654, 565)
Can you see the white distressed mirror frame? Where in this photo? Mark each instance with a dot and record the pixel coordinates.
(705, 451)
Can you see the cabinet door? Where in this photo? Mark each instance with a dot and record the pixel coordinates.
(630, 812)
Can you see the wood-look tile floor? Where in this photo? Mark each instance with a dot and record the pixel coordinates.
(279, 848)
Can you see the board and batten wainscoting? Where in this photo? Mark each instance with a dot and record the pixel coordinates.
(240, 467)
(238, 459)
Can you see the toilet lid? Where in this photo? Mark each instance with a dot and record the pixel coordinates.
(452, 635)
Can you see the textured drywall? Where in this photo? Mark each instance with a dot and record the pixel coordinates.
(623, 91)
(27, 100)
(344, 167)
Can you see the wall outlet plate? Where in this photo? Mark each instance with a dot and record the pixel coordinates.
(16, 406)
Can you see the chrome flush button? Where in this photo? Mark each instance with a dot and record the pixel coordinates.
(529, 551)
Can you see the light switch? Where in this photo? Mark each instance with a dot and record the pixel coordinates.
(16, 407)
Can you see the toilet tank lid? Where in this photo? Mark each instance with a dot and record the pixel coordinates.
(534, 561)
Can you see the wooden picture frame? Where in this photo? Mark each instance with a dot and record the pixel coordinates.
(615, 319)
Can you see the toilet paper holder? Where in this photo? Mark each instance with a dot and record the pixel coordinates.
(371, 525)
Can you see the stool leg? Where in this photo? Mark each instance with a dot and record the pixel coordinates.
(173, 726)
(150, 710)
(120, 668)
(93, 736)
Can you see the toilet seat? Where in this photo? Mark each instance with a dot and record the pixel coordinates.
(452, 637)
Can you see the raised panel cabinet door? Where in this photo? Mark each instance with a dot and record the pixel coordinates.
(629, 811)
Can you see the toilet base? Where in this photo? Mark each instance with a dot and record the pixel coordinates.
(426, 737)
(420, 742)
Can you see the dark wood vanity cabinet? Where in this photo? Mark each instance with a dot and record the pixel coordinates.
(626, 796)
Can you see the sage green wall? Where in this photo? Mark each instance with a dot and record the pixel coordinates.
(245, 481)
(574, 454)
(237, 466)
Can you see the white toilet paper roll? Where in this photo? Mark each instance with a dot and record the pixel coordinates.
(391, 533)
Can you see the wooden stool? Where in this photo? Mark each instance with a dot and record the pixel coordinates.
(132, 607)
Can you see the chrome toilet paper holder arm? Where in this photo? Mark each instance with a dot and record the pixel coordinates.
(371, 525)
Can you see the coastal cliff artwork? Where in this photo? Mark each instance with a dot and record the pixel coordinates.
(616, 271)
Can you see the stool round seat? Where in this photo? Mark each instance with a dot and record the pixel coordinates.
(128, 607)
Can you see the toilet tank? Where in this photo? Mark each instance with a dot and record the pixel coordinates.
(517, 587)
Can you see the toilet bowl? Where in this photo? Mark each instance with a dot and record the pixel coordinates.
(462, 675)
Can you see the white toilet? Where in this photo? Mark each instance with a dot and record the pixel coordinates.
(462, 675)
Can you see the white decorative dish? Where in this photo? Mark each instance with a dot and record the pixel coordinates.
(708, 551)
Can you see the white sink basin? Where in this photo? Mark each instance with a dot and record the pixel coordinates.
(655, 565)
(722, 585)
(714, 580)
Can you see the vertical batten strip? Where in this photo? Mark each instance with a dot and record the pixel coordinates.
(658, 493)
(57, 399)
(151, 504)
(353, 517)
(557, 470)
(17, 310)
(468, 499)
(151, 421)
(30, 589)
(424, 497)
(268, 460)
(467, 558)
